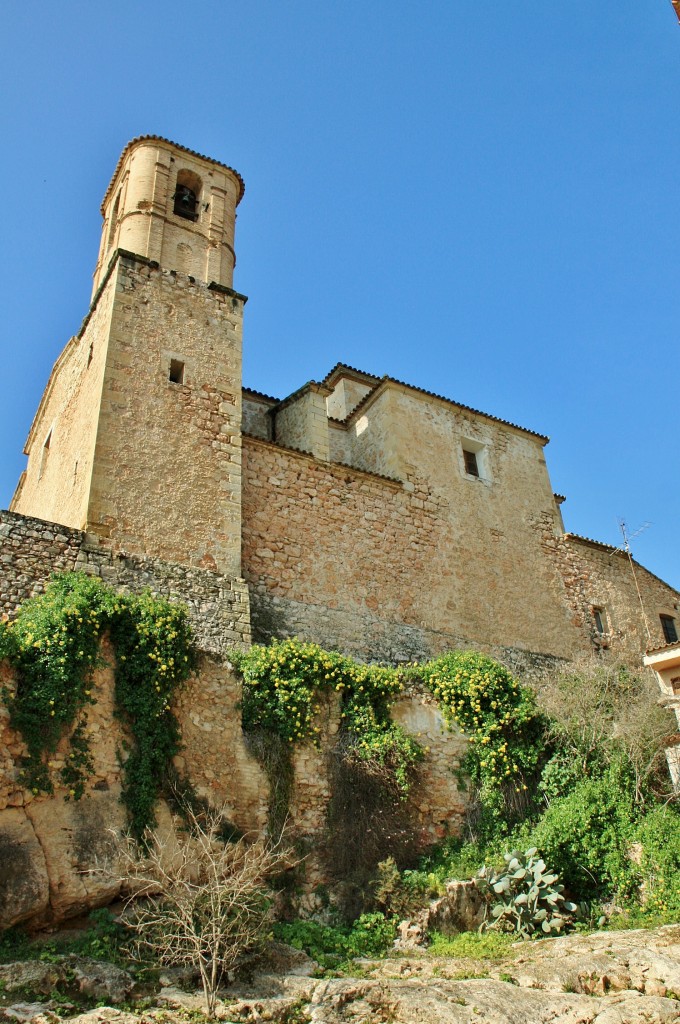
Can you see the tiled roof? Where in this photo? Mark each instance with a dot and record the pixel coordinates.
(184, 149)
(431, 394)
(595, 543)
(664, 647)
(351, 369)
(259, 394)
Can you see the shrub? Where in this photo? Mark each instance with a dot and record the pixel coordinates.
(53, 645)
(659, 835)
(599, 713)
(587, 835)
(370, 936)
(499, 716)
(199, 902)
(284, 683)
(400, 894)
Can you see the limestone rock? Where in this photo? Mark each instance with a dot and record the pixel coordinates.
(75, 837)
(29, 1012)
(24, 884)
(101, 980)
(460, 909)
(32, 976)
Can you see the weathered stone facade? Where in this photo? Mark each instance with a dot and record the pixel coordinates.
(31, 550)
(359, 512)
(368, 514)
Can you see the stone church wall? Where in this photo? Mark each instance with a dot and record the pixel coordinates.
(363, 564)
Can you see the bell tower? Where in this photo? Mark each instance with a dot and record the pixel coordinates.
(137, 438)
(173, 206)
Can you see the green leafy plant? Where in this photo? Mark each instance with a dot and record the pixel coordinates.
(370, 936)
(588, 834)
(525, 898)
(472, 945)
(53, 645)
(399, 894)
(498, 715)
(284, 683)
(659, 837)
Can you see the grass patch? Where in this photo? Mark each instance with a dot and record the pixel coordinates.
(472, 945)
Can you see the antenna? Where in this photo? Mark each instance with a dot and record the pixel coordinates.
(628, 537)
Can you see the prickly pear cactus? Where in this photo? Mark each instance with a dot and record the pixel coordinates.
(524, 897)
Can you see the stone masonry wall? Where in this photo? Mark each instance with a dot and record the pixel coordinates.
(150, 464)
(31, 550)
(357, 563)
(593, 575)
(57, 479)
(167, 467)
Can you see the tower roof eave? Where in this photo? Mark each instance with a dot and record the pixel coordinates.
(176, 145)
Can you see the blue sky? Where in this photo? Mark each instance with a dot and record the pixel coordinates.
(478, 198)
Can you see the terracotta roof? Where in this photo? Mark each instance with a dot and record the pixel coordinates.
(311, 385)
(184, 149)
(259, 394)
(350, 369)
(380, 381)
(595, 543)
(664, 647)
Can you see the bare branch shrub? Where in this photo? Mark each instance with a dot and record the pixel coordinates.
(601, 709)
(197, 901)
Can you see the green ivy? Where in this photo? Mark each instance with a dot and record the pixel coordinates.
(53, 645)
(283, 685)
(497, 714)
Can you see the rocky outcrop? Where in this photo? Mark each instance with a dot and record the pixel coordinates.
(604, 978)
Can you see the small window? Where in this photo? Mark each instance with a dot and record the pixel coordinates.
(471, 464)
(675, 685)
(45, 454)
(669, 631)
(176, 375)
(114, 219)
(601, 623)
(186, 202)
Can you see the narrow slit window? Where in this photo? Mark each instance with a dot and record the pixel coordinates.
(668, 626)
(471, 464)
(45, 454)
(114, 219)
(176, 375)
(601, 624)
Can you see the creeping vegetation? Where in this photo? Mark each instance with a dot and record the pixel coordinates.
(54, 647)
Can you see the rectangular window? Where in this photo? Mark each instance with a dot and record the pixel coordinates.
(176, 375)
(669, 631)
(45, 454)
(471, 465)
(601, 624)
